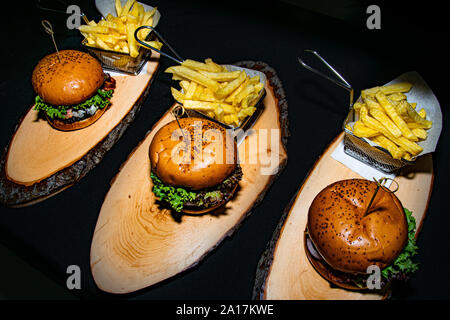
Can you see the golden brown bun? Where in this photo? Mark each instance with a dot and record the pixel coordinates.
(206, 168)
(61, 125)
(347, 240)
(70, 81)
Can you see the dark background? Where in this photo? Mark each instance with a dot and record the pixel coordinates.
(57, 232)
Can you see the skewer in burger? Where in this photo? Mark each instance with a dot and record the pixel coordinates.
(72, 90)
(194, 170)
(342, 240)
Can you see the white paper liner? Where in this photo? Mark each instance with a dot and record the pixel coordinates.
(425, 98)
(364, 170)
(422, 94)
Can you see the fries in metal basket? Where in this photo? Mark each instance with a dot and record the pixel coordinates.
(387, 118)
(207, 87)
(117, 33)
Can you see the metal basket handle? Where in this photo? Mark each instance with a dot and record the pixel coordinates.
(178, 59)
(342, 83)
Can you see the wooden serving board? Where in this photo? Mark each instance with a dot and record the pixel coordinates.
(284, 271)
(137, 243)
(41, 161)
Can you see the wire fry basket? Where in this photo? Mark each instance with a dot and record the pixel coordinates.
(356, 147)
(118, 61)
(374, 156)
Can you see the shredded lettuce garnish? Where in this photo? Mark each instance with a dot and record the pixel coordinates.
(403, 265)
(100, 100)
(175, 196)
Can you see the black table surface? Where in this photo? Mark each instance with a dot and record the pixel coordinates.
(56, 233)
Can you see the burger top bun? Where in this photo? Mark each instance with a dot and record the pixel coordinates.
(206, 161)
(346, 239)
(70, 81)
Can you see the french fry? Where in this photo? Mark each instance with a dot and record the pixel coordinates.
(126, 8)
(178, 96)
(118, 7)
(101, 44)
(408, 145)
(401, 109)
(231, 86)
(372, 103)
(415, 125)
(392, 113)
(227, 96)
(245, 92)
(93, 29)
(420, 133)
(200, 66)
(385, 121)
(393, 88)
(132, 46)
(397, 96)
(241, 87)
(112, 30)
(374, 124)
(407, 156)
(194, 76)
(387, 144)
(422, 113)
(357, 106)
(215, 66)
(203, 105)
(184, 84)
(191, 90)
(415, 116)
(199, 92)
(221, 76)
(360, 130)
(389, 120)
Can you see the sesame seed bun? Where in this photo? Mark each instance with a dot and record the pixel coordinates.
(68, 78)
(348, 241)
(177, 165)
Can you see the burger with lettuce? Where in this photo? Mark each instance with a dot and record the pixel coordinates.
(194, 170)
(346, 239)
(72, 90)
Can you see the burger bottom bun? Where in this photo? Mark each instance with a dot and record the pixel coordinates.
(333, 276)
(206, 210)
(63, 126)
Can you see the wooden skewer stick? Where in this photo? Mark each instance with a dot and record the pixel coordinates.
(179, 111)
(380, 184)
(49, 29)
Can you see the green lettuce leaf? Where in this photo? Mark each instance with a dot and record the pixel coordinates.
(403, 265)
(100, 99)
(175, 196)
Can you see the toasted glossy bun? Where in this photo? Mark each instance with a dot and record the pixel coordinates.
(61, 125)
(70, 81)
(196, 167)
(346, 239)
